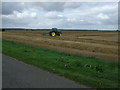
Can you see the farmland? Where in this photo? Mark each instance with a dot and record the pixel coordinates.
(86, 57)
(89, 71)
(100, 44)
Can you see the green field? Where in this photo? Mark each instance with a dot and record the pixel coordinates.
(89, 71)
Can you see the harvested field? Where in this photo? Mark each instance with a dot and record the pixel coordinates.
(101, 44)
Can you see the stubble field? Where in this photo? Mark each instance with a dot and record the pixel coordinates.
(100, 44)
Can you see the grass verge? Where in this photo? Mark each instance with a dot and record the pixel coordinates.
(89, 71)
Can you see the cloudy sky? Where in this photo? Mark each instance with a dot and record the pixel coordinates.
(72, 15)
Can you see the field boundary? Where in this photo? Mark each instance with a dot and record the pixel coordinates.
(79, 68)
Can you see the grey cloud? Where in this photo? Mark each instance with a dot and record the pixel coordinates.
(59, 14)
(12, 21)
(56, 6)
(0, 9)
(8, 8)
(72, 5)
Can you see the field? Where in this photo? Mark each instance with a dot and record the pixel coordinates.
(87, 57)
(89, 71)
(100, 44)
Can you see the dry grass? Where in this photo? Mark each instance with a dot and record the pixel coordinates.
(101, 44)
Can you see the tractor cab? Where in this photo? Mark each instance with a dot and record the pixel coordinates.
(55, 32)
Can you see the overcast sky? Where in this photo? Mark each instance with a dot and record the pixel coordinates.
(77, 15)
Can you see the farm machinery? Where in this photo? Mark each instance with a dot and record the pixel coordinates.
(55, 32)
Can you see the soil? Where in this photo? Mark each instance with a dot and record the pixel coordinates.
(101, 44)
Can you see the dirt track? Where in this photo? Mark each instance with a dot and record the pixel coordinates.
(102, 44)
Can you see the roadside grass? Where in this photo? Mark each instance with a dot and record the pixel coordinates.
(89, 71)
(0, 46)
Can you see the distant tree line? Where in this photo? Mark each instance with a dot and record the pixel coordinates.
(4, 29)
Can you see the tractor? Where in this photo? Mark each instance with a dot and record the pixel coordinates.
(55, 32)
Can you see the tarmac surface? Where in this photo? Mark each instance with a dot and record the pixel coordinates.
(16, 74)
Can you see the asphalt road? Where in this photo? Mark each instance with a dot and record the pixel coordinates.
(16, 74)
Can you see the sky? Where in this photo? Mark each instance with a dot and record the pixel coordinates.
(64, 15)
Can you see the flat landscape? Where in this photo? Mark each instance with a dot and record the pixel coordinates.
(100, 44)
(87, 57)
(85, 50)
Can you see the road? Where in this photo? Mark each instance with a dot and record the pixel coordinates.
(16, 74)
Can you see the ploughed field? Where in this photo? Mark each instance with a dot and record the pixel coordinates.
(101, 44)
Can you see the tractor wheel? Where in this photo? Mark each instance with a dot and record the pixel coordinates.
(52, 34)
(60, 34)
